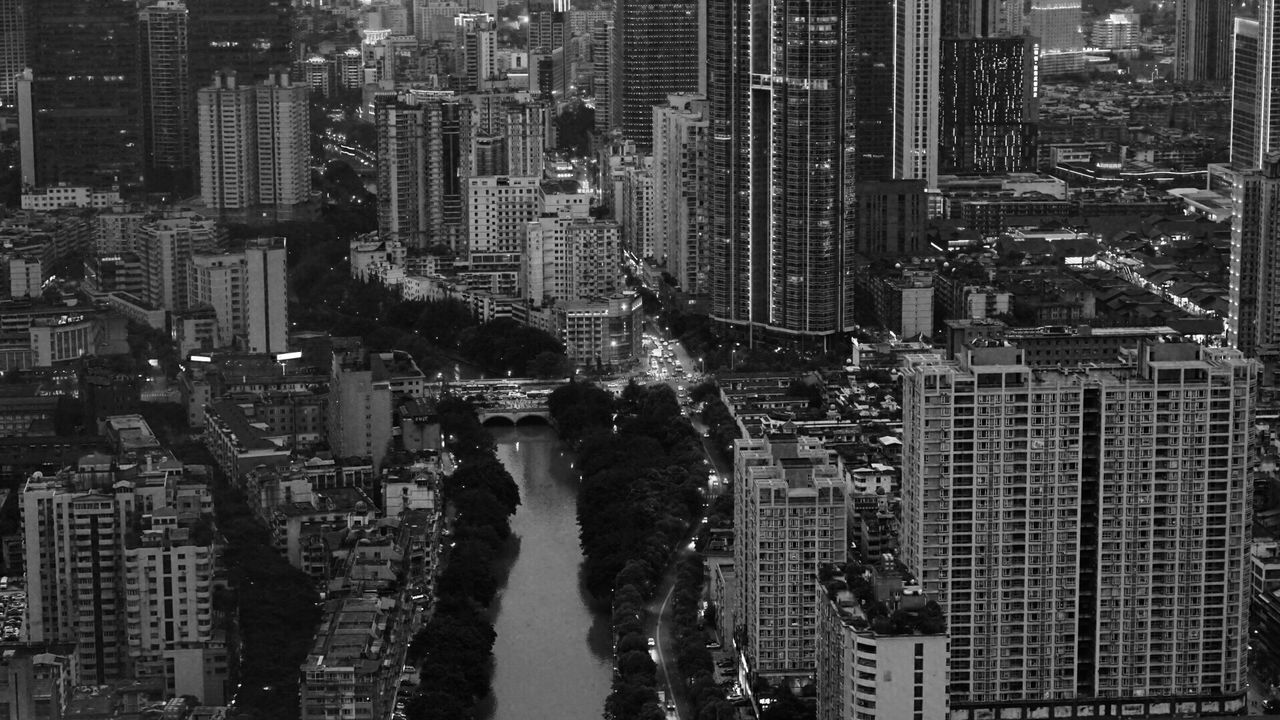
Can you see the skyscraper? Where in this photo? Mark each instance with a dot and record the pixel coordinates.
(13, 47)
(981, 18)
(873, 97)
(1255, 99)
(168, 104)
(1085, 529)
(790, 511)
(1202, 40)
(228, 139)
(1246, 95)
(782, 166)
(83, 122)
(1253, 321)
(987, 117)
(915, 131)
(655, 53)
(1056, 23)
(248, 36)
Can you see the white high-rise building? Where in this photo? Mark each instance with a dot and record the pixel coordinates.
(680, 185)
(498, 210)
(1057, 24)
(121, 567)
(528, 130)
(790, 516)
(165, 246)
(915, 92)
(267, 295)
(638, 209)
(569, 258)
(1085, 529)
(225, 116)
(248, 292)
(283, 140)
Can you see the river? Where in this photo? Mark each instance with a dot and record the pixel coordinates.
(552, 658)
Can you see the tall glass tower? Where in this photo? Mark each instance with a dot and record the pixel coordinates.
(780, 84)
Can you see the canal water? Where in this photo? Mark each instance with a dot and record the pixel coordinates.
(552, 658)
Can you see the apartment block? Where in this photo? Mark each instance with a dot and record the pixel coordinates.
(680, 182)
(790, 517)
(1085, 528)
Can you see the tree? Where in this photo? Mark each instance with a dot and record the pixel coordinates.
(486, 473)
(547, 365)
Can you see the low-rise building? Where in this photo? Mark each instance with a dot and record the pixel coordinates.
(354, 664)
(882, 646)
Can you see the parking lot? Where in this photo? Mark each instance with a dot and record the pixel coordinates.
(14, 605)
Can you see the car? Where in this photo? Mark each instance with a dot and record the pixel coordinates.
(652, 642)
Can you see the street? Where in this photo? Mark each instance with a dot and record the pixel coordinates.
(661, 608)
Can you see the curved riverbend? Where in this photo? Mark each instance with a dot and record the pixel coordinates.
(552, 658)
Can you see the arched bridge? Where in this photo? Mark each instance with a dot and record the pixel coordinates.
(516, 415)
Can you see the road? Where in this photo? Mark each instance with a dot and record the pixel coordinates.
(662, 606)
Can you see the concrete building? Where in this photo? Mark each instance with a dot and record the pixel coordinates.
(781, 200)
(165, 245)
(170, 566)
(26, 279)
(656, 52)
(1202, 40)
(62, 195)
(904, 304)
(361, 387)
(283, 139)
(680, 188)
(98, 579)
(1057, 24)
(601, 332)
(873, 666)
(1117, 31)
(790, 517)
(988, 115)
(225, 114)
(38, 680)
(916, 77)
(567, 258)
(892, 216)
(13, 48)
(420, 184)
(637, 209)
(248, 291)
(498, 210)
(1253, 321)
(351, 671)
(167, 103)
(1044, 510)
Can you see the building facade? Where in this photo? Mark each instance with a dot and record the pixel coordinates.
(988, 116)
(168, 103)
(782, 170)
(655, 54)
(790, 512)
(680, 181)
(228, 160)
(1084, 528)
(1202, 40)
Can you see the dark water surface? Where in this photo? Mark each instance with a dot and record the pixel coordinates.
(552, 656)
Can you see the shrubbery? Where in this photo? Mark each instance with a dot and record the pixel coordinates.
(640, 492)
(454, 651)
